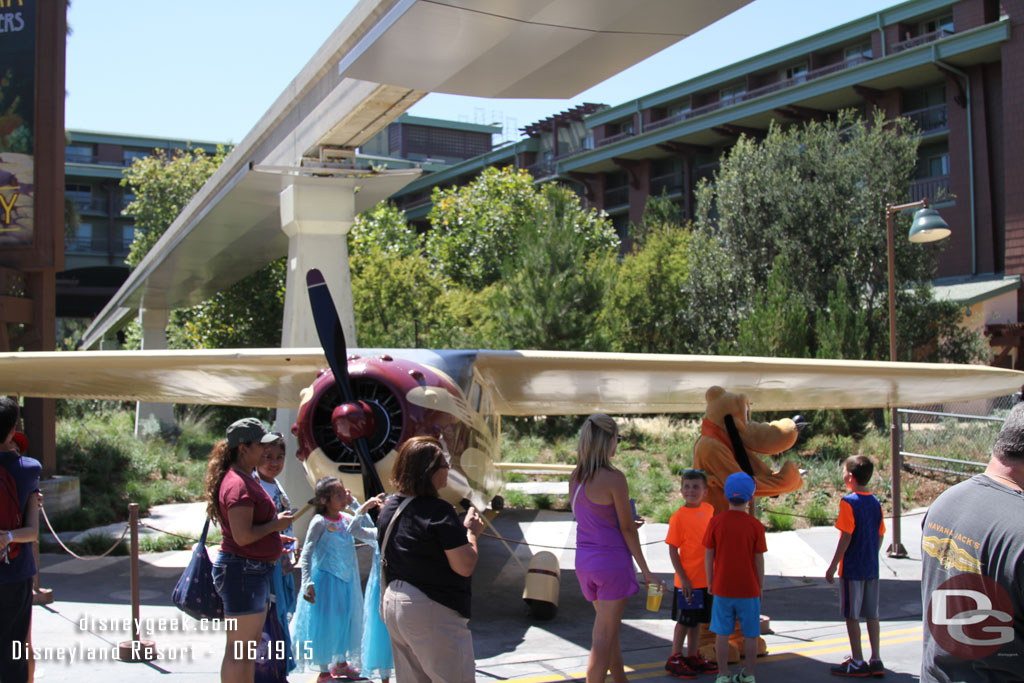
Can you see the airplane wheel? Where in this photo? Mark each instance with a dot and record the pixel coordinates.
(497, 503)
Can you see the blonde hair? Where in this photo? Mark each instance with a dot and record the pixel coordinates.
(598, 440)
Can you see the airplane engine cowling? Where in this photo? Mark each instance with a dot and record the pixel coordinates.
(382, 384)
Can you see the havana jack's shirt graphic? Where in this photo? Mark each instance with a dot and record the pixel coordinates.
(972, 584)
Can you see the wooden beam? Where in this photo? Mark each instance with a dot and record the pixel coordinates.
(872, 95)
(631, 166)
(16, 309)
(683, 149)
(735, 131)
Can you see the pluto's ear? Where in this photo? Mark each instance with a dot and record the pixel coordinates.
(713, 393)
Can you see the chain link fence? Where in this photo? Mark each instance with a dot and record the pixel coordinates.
(953, 438)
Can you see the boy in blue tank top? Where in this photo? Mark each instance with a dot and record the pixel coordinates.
(860, 521)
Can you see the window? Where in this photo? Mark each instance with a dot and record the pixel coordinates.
(78, 153)
(130, 155)
(932, 162)
(127, 235)
(859, 51)
(922, 98)
(796, 71)
(943, 23)
(80, 195)
(732, 91)
(680, 107)
(82, 241)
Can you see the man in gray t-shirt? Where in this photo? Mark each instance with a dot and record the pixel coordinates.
(972, 571)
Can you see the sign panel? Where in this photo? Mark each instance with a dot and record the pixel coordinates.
(17, 97)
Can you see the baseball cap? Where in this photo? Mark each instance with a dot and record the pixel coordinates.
(272, 437)
(739, 486)
(247, 430)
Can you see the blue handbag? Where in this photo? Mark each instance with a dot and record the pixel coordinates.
(195, 594)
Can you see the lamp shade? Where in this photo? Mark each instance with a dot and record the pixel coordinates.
(928, 226)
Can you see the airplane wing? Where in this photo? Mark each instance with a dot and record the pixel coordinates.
(520, 382)
(258, 378)
(571, 383)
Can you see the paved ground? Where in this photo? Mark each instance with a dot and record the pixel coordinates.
(92, 604)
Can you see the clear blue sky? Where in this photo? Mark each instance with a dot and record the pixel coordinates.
(208, 69)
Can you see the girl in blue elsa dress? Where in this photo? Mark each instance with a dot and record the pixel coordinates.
(376, 641)
(328, 623)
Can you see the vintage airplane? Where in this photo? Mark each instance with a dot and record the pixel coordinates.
(352, 427)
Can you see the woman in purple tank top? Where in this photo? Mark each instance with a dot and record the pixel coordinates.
(605, 549)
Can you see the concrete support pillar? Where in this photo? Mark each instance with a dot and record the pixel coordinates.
(154, 338)
(316, 219)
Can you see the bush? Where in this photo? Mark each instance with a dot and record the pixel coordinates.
(116, 468)
(781, 518)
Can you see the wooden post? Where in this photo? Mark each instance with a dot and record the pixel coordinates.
(136, 649)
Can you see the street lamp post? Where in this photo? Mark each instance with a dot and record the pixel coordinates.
(928, 226)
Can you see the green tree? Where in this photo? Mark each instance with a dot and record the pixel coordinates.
(776, 324)
(553, 286)
(381, 230)
(398, 300)
(473, 226)
(246, 314)
(647, 308)
(816, 193)
(162, 186)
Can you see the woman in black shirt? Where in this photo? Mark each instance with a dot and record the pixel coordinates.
(429, 558)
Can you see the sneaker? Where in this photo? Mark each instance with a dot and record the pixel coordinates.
(848, 668)
(344, 672)
(325, 677)
(742, 678)
(876, 668)
(701, 665)
(724, 679)
(676, 665)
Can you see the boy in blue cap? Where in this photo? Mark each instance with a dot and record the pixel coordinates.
(734, 561)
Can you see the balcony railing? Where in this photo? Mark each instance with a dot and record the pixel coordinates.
(86, 245)
(543, 169)
(614, 138)
(929, 188)
(929, 119)
(921, 40)
(616, 196)
(90, 204)
(672, 184)
(744, 97)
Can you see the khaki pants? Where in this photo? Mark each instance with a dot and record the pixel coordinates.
(430, 642)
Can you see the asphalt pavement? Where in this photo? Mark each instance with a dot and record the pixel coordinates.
(79, 632)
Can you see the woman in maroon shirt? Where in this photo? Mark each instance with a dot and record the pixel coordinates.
(251, 545)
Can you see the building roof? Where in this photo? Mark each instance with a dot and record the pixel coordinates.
(489, 128)
(973, 289)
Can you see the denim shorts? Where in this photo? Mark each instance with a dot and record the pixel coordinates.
(242, 584)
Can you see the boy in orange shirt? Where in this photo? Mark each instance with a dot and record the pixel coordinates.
(691, 603)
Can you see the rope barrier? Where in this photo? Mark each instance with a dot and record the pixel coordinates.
(171, 533)
(70, 551)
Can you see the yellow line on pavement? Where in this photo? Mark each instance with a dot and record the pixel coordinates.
(804, 645)
(788, 651)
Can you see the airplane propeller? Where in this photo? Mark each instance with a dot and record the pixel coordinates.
(353, 420)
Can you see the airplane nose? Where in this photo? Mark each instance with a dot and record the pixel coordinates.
(352, 421)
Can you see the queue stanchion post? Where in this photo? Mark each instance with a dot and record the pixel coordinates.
(136, 649)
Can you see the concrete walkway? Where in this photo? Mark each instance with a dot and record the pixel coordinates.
(81, 629)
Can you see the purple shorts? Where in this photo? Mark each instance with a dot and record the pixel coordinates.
(608, 584)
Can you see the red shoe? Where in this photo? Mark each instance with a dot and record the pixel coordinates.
(701, 665)
(677, 666)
